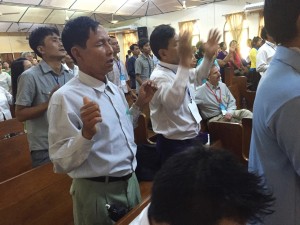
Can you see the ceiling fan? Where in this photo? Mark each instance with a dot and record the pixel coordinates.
(9, 13)
(183, 5)
(112, 19)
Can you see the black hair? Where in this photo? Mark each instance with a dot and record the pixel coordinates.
(132, 47)
(254, 41)
(77, 32)
(222, 44)
(38, 36)
(17, 68)
(204, 186)
(263, 33)
(160, 38)
(201, 51)
(281, 19)
(142, 42)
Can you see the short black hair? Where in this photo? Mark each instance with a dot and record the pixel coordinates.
(207, 185)
(77, 32)
(160, 37)
(263, 33)
(17, 68)
(142, 42)
(222, 44)
(132, 46)
(254, 41)
(38, 36)
(281, 19)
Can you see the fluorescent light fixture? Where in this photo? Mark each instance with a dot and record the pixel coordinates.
(254, 6)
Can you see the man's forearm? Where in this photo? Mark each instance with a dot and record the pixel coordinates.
(24, 113)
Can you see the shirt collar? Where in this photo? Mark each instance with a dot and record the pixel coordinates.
(144, 56)
(289, 56)
(271, 44)
(212, 86)
(47, 69)
(95, 83)
(170, 66)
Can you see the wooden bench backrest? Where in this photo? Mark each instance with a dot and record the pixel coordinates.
(230, 135)
(229, 75)
(10, 126)
(37, 197)
(14, 156)
(247, 126)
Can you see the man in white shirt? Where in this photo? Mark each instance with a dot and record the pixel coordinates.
(201, 186)
(174, 113)
(91, 127)
(265, 52)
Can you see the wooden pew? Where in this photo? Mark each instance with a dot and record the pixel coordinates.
(36, 197)
(14, 156)
(247, 126)
(145, 188)
(141, 131)
(231, 136)
(12, 126)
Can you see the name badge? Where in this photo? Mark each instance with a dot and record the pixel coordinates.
(223, 109)
(194, 110)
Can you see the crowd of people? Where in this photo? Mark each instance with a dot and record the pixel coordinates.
(74, 102)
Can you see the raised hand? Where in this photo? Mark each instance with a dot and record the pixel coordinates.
(212, 44)
(146, 92)
(90, 115)
(185, 50)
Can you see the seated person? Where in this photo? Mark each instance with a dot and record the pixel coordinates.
(201, 186)
(215, 101)
(6, 99)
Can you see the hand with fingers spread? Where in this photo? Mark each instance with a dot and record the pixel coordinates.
(185, 50)
(90, 115)
(212, 44)
(146, 92)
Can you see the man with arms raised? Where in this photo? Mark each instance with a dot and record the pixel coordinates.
(174, 113)
(92, 138)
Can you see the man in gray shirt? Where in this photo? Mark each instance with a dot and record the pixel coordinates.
(36, 86)
(144, 64)
(216, 102)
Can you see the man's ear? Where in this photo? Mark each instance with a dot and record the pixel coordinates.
(162, 53)
(76, 53)
(41, 49)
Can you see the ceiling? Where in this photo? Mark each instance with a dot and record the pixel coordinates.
(25, 15)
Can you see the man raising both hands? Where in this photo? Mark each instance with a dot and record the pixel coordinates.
(92, 138)
(174, 113)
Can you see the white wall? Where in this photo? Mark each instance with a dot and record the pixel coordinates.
(209, 16)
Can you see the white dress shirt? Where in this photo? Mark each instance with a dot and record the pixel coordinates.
(142, 218)
(264, 56)
(5, 100)
(169, 107)
(114, 76)
(111, 152)
(5, 81)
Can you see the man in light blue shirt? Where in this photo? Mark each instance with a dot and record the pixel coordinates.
(275, 143)
(91, 128)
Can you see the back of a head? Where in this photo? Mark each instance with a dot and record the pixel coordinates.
(38, 35)
(17, 68)
(159, 38)
(77, 32)
(263, 33)
(281, 19)
(200, 186)
(254, 42)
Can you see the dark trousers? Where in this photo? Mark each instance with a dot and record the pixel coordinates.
(168, 147)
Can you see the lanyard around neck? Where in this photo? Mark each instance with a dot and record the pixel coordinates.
(215, 94)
